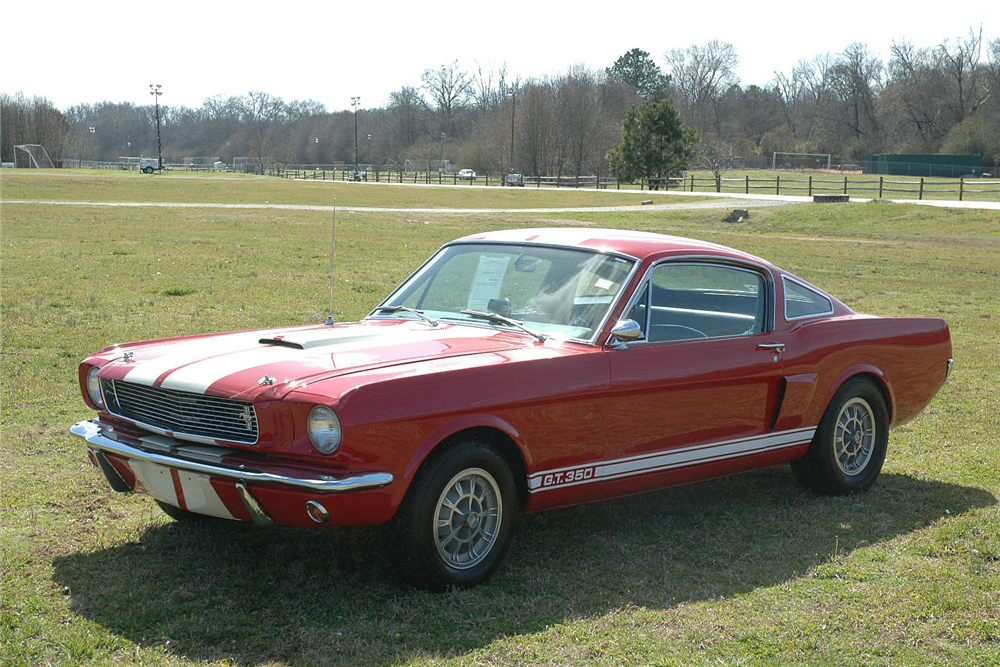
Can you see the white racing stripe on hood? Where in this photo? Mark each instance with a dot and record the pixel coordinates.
(180, 354)
(201, 375)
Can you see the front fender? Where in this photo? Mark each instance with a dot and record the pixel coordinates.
(457, 425)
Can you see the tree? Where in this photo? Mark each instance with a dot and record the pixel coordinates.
(449, 89)
(655, 143)
(637, 70)
(700, 75)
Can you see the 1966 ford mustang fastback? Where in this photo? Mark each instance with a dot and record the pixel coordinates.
(514, 371)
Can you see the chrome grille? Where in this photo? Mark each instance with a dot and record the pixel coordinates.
(182, 412)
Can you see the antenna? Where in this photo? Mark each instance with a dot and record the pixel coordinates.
(333, 256)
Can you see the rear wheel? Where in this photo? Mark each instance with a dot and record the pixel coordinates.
(849, 446)
(455, 526)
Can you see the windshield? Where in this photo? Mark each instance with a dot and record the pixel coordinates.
(560, 292)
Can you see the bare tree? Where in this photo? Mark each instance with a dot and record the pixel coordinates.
(449, 88)
(700, 74)
(260, 112)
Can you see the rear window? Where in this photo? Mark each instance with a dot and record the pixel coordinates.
(802, 301)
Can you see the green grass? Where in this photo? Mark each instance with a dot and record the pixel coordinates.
(862, 186)
(79, 185)
(747, 570)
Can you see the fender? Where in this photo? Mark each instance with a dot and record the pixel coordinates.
(463, 423)
(847, 374)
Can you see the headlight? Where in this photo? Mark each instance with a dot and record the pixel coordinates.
(94, 387)
(324, 429)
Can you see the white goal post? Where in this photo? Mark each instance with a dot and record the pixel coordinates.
(36, 157)
(801, 160)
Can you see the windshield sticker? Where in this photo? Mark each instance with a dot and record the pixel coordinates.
(488, 281)
(603, 283)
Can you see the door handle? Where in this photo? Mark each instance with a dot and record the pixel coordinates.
(772, 347)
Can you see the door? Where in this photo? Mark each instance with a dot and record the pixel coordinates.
(700, 389)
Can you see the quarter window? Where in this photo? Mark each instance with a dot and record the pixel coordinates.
(801, 301)
(693, 300)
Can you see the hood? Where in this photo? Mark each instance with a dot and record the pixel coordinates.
(247, 364)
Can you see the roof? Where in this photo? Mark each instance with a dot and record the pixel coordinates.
(633, 243)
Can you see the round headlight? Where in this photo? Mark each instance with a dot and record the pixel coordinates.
(94, 387)
(324, 429)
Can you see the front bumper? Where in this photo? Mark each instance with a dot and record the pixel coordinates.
(209, 471)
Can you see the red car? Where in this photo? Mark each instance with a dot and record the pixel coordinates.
(514, 371)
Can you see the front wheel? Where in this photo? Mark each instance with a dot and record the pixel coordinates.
(849, 446)
(456, 523)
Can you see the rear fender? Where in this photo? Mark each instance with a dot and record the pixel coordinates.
(819, 407)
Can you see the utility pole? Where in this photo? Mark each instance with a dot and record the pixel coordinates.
(513, 110)
(157, 90)
(355, 102)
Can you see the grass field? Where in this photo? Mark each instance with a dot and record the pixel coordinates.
(91, 185)
(741, 571)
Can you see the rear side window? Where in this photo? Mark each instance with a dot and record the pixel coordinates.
(802, 301)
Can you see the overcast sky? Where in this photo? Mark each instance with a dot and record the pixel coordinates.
(73, 52)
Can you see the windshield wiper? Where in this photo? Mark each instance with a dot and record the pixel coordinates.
(502, 319)
(419, 313)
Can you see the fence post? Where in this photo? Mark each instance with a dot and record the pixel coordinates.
(748, 183)
(961, 187)
(810, 185)
(618, 183)
(718, 183)
(845, 185)
(777, 184)
(880, 182)
(921, 187)
(692, 182)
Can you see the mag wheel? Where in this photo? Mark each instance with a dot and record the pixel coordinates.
(455, 526)
(849, 446)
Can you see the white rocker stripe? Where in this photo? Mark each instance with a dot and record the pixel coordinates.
(665, 460)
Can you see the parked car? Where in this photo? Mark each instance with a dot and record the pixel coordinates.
(466, 175)
(512, 372)
(149, 164)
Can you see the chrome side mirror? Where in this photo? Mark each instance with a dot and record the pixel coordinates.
(624, 331)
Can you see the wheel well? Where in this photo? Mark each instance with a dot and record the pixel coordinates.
(503, 443)
(879, 383)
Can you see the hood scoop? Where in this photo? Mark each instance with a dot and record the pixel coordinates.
(305, 340)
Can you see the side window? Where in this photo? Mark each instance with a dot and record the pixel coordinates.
(801, 301)
(693, 300)
(640, 309)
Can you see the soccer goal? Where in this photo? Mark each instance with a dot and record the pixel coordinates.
(32, 156)
(800, 160)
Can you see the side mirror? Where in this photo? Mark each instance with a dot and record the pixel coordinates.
(624, 331)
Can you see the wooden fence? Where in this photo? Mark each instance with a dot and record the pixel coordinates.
(876, 188)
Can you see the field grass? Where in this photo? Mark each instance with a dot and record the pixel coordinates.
(747, 570)
(860, 186)
(238, 189)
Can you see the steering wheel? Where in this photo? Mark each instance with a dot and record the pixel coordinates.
(578, 321)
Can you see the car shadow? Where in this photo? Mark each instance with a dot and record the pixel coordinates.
(229, 591)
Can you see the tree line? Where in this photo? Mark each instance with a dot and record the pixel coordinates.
(925, 99)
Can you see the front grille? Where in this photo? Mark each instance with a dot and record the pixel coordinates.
(182, 412)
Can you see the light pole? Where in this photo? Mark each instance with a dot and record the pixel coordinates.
(93, 130)
(444, 135)
(355, 102)
(513, 110)
(368, 158)
(156, 90)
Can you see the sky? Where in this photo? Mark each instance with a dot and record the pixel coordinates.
(73, 52)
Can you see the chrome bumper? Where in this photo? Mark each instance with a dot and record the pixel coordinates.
(95, 436)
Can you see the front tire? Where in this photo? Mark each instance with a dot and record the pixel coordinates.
(849, 446)
(456, 522)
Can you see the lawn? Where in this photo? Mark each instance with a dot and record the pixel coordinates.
(92, 185)
(747, 570)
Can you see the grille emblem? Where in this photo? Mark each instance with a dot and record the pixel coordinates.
(248, 417)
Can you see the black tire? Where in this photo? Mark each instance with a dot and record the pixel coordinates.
(847, 458)
(183, 516)
(435, 515)
(147, 170)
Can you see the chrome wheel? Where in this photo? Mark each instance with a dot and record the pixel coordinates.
(854, 436)
(467, 518)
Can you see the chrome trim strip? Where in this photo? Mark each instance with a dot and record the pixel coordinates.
(94, 434)
(784, 300)
(738, 262)
(597, 251)
(256, 512)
